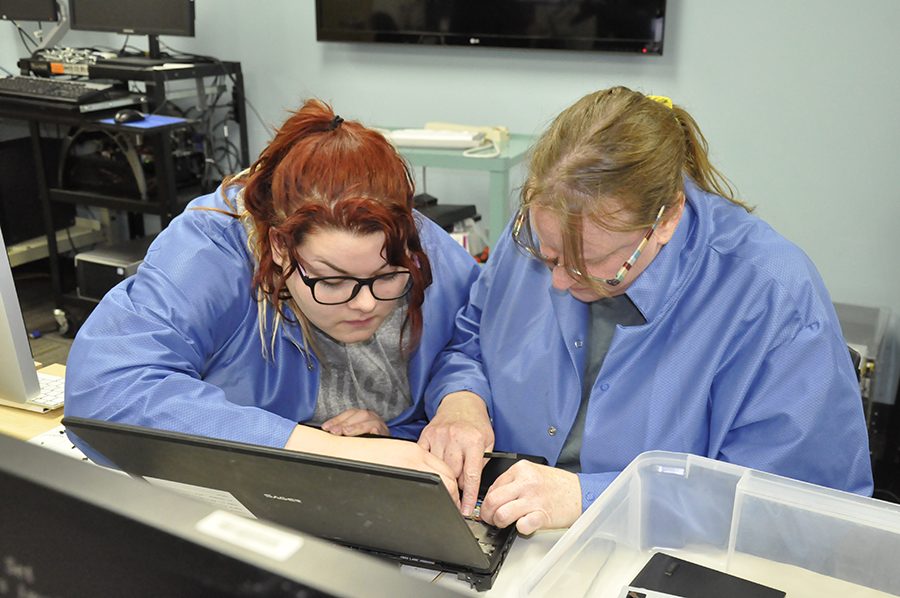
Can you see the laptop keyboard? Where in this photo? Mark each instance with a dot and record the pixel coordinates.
(52, 391)
(484, 533)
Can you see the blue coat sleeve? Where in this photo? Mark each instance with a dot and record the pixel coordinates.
(801, 415)
(140, 357)
(741, 359)
(765, 416)
(453, 271)
(460, 366)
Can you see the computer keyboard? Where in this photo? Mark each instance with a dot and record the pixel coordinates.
(55, 90)
(52, 391)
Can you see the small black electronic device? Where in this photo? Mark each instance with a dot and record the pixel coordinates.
(674, 576)
(128, 115)
(103, 267)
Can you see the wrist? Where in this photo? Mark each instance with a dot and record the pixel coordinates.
(463, 401)
(311, 440)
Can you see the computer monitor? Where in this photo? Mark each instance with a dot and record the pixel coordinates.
(18, 378)
(159, 17)
(28, 10)
(69, 528)
(135, 17)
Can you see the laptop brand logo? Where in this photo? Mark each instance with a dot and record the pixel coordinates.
(282, 498)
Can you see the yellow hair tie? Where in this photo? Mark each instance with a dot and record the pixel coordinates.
(664, 100)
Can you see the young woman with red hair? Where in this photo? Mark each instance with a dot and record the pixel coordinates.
(305, 290)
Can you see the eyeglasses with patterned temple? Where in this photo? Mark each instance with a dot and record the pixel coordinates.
(334, 290)
(525, 239)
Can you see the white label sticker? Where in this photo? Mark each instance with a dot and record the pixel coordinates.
(217, 498)
(250, 535)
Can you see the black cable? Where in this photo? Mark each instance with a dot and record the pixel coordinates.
(26, 39)
(71, 242)
(23, 35)
(218, 168)
(226, 154)
(231, 76)
(7, 72)
(235, 152)
(137, 51)
(176, 108)
(209, 128)
(206, 128)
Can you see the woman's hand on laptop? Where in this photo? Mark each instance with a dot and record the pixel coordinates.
(401, 453)
(384, 451)
(356, 422)
(459, 434)
(533, 497)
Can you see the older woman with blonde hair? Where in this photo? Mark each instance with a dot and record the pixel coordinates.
(634, 304)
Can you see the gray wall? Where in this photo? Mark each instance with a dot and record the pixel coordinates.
(797, 99)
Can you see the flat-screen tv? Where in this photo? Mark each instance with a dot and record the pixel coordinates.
(592, 25)
(28, 10)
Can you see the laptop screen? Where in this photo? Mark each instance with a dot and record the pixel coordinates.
(398, 512)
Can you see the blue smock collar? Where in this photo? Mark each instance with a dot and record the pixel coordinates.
(662, 282)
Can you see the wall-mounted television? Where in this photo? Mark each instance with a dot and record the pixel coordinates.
(592, 25)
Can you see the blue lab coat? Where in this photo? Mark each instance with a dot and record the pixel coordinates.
(741, 359)
(177, 346)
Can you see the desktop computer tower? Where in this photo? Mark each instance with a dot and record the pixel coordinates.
(102, 268)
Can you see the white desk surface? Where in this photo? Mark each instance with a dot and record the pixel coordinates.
(23, 424)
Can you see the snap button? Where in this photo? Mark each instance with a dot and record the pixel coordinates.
(604, 386)
(579, 344)
(551, 431)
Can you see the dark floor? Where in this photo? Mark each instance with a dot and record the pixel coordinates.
(36, 298)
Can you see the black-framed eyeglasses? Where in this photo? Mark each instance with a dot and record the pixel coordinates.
(525, 239)
(334, 290)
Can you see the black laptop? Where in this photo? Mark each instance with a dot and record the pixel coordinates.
(402, 514)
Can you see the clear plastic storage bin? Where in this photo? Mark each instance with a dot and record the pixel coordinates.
(800, 538)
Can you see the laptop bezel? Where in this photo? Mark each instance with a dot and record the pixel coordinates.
(107, 438)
